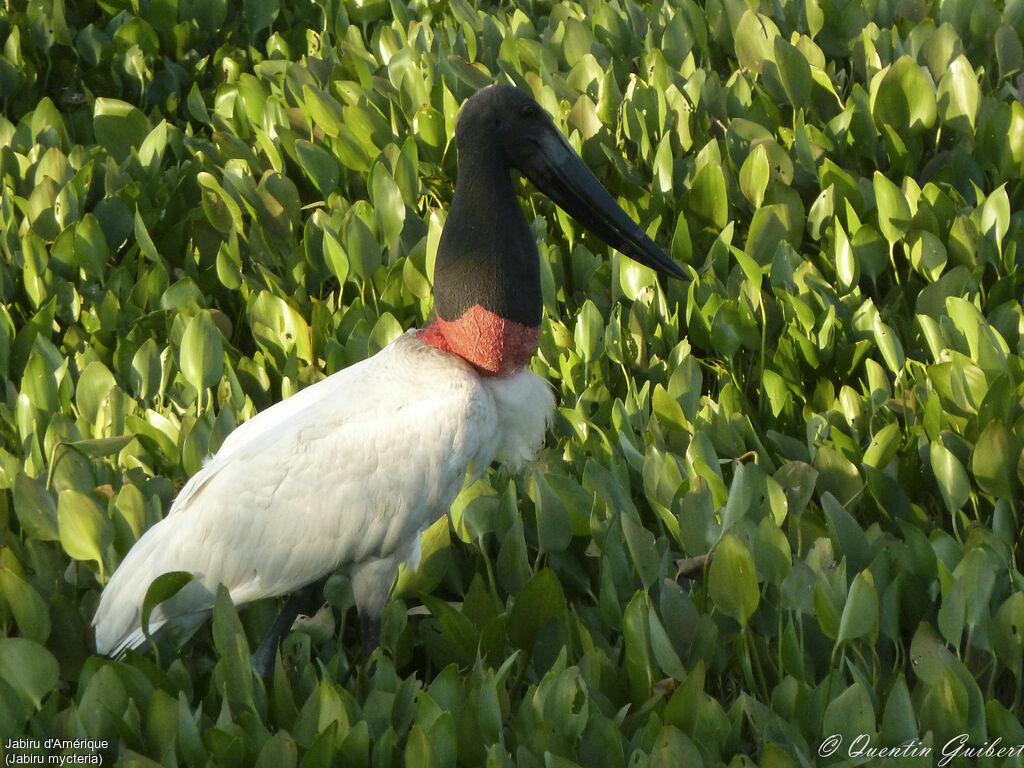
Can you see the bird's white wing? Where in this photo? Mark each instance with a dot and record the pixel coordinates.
(350, 470)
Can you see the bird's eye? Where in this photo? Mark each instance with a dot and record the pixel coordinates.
(527, 110)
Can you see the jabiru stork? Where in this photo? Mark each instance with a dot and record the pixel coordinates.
(344, 476)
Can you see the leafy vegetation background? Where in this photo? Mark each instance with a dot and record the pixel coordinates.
(206, 205)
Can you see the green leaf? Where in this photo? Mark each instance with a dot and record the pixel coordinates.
(927, 254)
(319, 165)
(883, 447)
(773, 555)
(93, 390)
(387, 202)
(459, 630)
(994, 460)
(364, 252)
(954, 485)
(29, 669)
(959, 95)
(754, 175)
(542, 600)
(35, 508)
(119, 126)
(732, 580)
(903, 97)
(1007, 636)
(847, 264)
(589, 332)
(202, 354)
(636, 634)
(164, 587)
(794, 72)
(850, 714)
(29, 609)
(85, 529)
(753, 38)
(860, 613)
(91, 249)
(707, 197)
(418, 750)
(893, 210)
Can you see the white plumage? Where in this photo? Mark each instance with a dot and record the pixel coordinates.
(346, 475)
(343, 476)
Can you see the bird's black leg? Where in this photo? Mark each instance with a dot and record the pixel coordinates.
(263, 659)
(370, 626)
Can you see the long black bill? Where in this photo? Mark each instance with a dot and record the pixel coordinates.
(557, 171)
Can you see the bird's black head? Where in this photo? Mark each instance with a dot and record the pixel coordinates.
(502, 124)
(504, 121)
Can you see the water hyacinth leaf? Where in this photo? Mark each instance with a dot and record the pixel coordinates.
(928, 254)
(589, 333)
(773, 555)
(435, 557)
(364, 251)
(85, 529)
(794, 72)
(995, 216)
(319, 165)
(99, 447)
(91, 249)
(959, 95)
(954, 484)
(387, 202)
(164, 587)
(754, 175)
(29, 669)
(28, 607)
(851, 714)
(554, 528)
(145, 375)
(994, 460)
(642, 549)
(93, 389)
(636, 634)
(893, 210)
(322, 110)
(889, 345)
(743, 492)
(707, 198)
(903, 97)
(732, 579)
(280, 750)
(827, 603)
(419, 752)
(883, 446)
(285, 326)
(335, 256)
(459, 630)
(635, 278)
(847, 264)
(119, 126)
(541, 600)
(35, 508)
(1007, 633)
(753, 37)
(202, 353)
(848, 537)
(860, 613)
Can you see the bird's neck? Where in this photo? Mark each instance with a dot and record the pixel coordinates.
(487, 295)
